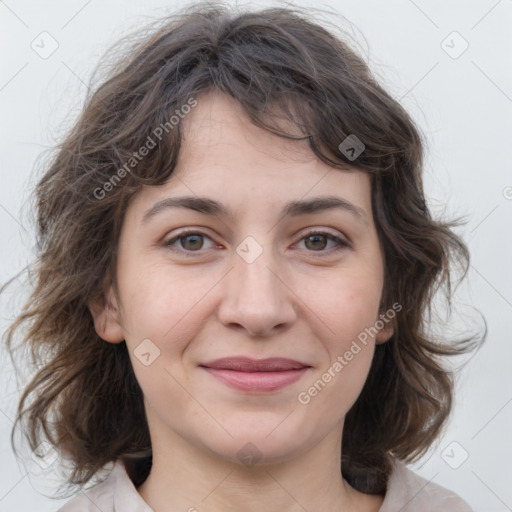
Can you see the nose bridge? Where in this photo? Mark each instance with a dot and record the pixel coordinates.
(256, 298)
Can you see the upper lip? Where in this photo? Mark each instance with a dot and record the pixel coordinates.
(246, 364)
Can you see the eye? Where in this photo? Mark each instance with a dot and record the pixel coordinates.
(190, 242)
(316, 241)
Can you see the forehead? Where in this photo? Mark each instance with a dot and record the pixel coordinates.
(220, 122)
(226, 157)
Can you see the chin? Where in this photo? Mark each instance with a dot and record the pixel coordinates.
(256, 448)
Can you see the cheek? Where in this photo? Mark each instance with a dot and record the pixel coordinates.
(348, 309)
(346, 303)
(160, 317)
(156, 302)
(349, 352)
(170, 311)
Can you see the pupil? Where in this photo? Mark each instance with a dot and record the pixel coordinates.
(315, 238)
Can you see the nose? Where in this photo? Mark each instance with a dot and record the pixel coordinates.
(257, 299)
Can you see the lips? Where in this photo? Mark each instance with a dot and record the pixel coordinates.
(246, 364)
(256, 376)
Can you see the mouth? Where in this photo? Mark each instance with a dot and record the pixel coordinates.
(247, 374)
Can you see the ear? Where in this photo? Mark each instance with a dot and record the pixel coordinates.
(107, 319)
(386, 332)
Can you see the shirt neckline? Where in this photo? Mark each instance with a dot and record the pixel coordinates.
(128, 499)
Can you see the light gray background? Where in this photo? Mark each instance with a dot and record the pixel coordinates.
(463, 104)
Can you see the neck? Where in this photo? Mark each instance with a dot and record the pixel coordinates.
(196, 480)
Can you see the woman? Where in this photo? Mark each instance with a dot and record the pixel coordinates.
(236, 265)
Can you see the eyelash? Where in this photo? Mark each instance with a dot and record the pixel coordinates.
(342, 244)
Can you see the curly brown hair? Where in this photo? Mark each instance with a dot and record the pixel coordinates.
(277, 63)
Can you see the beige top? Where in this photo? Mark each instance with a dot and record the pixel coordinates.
(406, 492)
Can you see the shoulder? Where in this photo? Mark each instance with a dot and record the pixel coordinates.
(409, 492)
(99, 497)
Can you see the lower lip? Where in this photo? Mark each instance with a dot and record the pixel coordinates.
(257, 381)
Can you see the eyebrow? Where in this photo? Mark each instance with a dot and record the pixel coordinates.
(293, 208)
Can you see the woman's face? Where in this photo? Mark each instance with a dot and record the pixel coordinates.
(249, 280)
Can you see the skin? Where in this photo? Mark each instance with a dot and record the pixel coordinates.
(298, 299)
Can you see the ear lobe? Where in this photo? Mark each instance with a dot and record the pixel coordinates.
(384, 334)
(107, 321)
